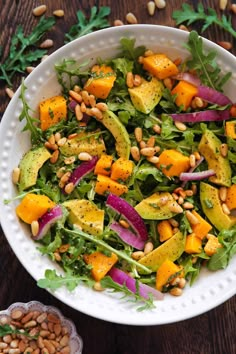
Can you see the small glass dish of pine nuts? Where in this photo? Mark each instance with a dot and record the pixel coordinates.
(37, 329)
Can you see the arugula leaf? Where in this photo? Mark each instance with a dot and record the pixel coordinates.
(205, 64)
(6, 329)
(129, 50)
(21, 55)
(208, 17)
(97, 20)
(36, 133)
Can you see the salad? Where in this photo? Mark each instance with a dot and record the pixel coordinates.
(129, 184)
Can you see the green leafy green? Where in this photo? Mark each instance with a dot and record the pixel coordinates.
(22, 50)
(129, 50)
(205, 64)
(97, 20)
(207, 17)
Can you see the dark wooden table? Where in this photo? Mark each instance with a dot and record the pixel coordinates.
(212, 332)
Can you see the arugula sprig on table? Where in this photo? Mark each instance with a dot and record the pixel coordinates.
(97, 20)
(208, 17)
(23, 51)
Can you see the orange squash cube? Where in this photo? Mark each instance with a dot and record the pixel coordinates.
(166, 272)
(121, 169)
(202, 228)
(52, 111)
(185, 93)
(165, 230)
(193, 244)
(103, 166)
(230, 129)
(172, 162)
(101, 264)
(102, 82)
(160, 66)
(105, 184)
(231, 197)
(212, 245)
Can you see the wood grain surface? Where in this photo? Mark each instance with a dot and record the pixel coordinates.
(212, 332)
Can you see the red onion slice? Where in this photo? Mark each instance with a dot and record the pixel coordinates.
(190, 78)
(122, 278)
(47, 220)
(201, 116)
(212, 96)
(127, 236)
(83, 169)
(196, 176)
(134, 219)
(71, 105)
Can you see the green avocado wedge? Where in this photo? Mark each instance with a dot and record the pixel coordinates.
(211, 206)
(119, 132)
(209, 147)
(29, 166)
(170, 249)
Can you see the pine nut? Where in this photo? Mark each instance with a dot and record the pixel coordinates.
(175, 281)
(61, 141)
(180, 200)
(39, 10)
(48, 43)
(92, 100)
(34, 227)
(50, 347)
(96, 113)
(193, 220)
(223, 4)
(147, 151)
(225, 209)
(16, 314)
(129, 80)
(148, 53)
(188, 205)
(233, 8)
(142, 144)
(14, 351)
(153, 159)
(76, 96)
(137, 255)
(65, 350)
(168, 83)
(189, 193)
(194, 189)
(65, 340)
(192, 160)
(199, 102)
(137, 80)
(140, 59)
(176, 291)
(135, 153)
(175, 208)
(160, 4)
(184, 28)
(173, 222)
(97, 286)
(54, 156)
(84, 156)
(148, 247)
(69, 160)
(79, 115)
(102, 106)
(72, 136)
(151, 7)
(223, 193)
(69, 188)
(157, 129)
(181, 126)
(151, 141)
(182, 283)
(138, 133)
(130, 18)
(118, 23)
(124, 223)
(57, 329)
(61, 172)
(57, 137)
(224, 150)
(58, 13)
(31, 323)
(83, 107)
(85, 97)
(50, 146)
(9, 92)
(65, 177)
(29, 69)
(16, 175)
(44, 57)
(197, 155)
(225, 45)
(3, 345)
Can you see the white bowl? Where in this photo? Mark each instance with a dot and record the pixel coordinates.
(212, 288)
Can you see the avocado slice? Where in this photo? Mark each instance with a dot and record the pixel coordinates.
(84, 142)
(118, 130)
(158, 206)
(29, 166)
(170, 249)
(209, 147)
(86, 215)
(147, 95)
(211, 206)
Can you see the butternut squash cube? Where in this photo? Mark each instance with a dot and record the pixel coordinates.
(52, 111)
(173, 163)
(202, 228)
(160, 66)
(185, 93)
(105, 184)
(165, 230)
(193, 244)
(101, 264)
(230, 129)
(103, 166)
(121, 169)
(166, 272)
(102, 81)
(212, 245)
(33, 206)
(231, 197)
